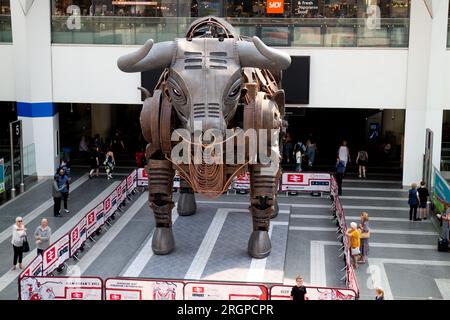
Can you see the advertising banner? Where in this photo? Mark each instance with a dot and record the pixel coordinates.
(137, 289)
(110, 205)
(94, 220)
(131, 182)
(242, 182)
(121, 192)
(34, 269)
(275, 6)
(60, 288)
(56, 255)
(312, 182)
(313, 293)
(77, 236)
(441, 192)
(2, 175)
(224, 291)
(142, 177)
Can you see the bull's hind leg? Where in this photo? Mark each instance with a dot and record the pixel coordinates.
(160, 177)
(186, 202)
(262, 195)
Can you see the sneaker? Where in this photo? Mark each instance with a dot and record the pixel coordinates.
(360, 176)
(20, 266)
(13, 268)
(67, 211)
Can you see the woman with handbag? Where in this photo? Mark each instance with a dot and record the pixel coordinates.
(364, 236)
(18, 241)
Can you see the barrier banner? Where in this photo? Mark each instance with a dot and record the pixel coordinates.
(60, 288)
(34, 269)
(351, 278)
(313, 182)
(77, 236)
(176, 181)
(121, 192)
(94, 220)
(441, 192)
(56, 255)
(131, 182)
(224, 291)
(110, 205)
(138, 289)
(313, 293)
(242, 182)
(142, 177)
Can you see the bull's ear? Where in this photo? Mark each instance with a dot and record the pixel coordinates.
(149, 56)
(257, 55)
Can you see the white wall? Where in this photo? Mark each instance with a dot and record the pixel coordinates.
(447, 81)
(357, 78)
(7, 78)
(340, 78)
(89, 74)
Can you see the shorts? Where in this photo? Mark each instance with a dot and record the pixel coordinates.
(423, 205)
(362, 163)
(355, 251)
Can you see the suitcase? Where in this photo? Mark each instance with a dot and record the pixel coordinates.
(443, 245)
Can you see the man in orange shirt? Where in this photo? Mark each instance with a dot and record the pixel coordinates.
(355, 243)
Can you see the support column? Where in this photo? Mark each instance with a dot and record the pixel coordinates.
(31, 30)
(425, 92)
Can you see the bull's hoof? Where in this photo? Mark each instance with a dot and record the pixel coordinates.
(186, 204)
(163, 241)
(259, 245)
(276, 210)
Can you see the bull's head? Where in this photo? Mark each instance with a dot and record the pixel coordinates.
(205, 73)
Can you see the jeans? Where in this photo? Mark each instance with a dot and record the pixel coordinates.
(412, 207)
(18, 254)
(339, 178)
(57, 206)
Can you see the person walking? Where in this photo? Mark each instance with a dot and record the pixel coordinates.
(63, 184)
(19, 232)
(423, 199)
(355, 243)
(413, 201)
(362, 160)
(344, 153)
(42, 236)
(379, 293)
(95, 161)
(298, 292)
(364, 236)
(57, 196)
(340, 169)
(310, 153)
(298, 158)
(109, 164)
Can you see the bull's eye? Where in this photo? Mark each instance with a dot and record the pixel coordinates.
(176, 92)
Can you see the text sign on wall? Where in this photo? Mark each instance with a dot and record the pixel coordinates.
(275, 6)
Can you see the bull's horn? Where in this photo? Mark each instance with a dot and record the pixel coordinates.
(150, 56)
(256, 54)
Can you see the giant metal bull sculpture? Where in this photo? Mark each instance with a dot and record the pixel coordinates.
(215, 80)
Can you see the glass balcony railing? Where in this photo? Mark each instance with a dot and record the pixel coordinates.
(283, 32)
(5, 29)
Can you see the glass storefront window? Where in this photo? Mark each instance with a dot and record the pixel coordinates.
(354, 23)
(5, 21)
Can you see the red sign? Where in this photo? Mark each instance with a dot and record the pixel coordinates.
(75, 235)
(50, 255)
(91, 218)
(115, 296)
(275, 6)
(198, 290)
(76, 295)
(295, 177)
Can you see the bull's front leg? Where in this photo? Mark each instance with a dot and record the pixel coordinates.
(186, 202)
(160, 185)
(262, 196)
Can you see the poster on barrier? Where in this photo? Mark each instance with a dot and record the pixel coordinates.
(110, 205)
(224, 291)
(94, 220)
(352, 281)
(131, 182)
(77, 236)
(121, 191)
(34, 269)
(312, 182)
(313, 293)
(242, 182)
(142, 177)
(56, 255)
(139, 289)
(60, 288)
